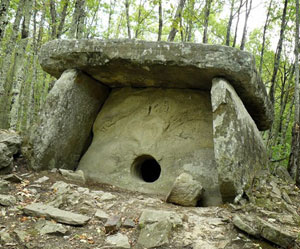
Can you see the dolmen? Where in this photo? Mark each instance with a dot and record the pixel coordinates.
(144, 116)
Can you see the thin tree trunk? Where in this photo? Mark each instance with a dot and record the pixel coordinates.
(20, 72)
(237, 23)
(127, 18)
(111, 10)
(190, 22)
(176, 20)
(294, 160)
(227, 43)
(53, 19)
(248, 10)
(4, 6)
(264, 38)
(206, 19)
(287, 122)
(62, 19)
(278, 53)
(137, 31)
(77, 26)
(160, 20)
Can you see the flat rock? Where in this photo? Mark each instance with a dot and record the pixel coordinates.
(76, 176)
(128, 223)
(42, 179)
(12, 178)
(48, 227)
(155, 235)
(49, 212)
(101, 215)
(118, 241)
(149, 216)
(186, 191)
(119, 63)
(112, 224)
(7, 200)
(247, 224)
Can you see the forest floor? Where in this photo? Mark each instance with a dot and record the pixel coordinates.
(124, 219)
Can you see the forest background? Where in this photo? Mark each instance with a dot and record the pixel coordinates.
(27, 24)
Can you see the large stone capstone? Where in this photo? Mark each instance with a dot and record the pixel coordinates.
(119, 63)
(159, 111)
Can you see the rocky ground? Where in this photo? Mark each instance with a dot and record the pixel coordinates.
(58, 209)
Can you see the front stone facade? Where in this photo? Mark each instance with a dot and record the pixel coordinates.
(168, 109)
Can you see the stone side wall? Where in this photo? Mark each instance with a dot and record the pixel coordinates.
(239, 149)
(66, 121)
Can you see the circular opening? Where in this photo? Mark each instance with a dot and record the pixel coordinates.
(146, 168)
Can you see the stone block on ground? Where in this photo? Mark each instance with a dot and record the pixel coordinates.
(150, 216)
(49, 212)
(7, 200)
(247, 224)
(118, 241)
(66, 121)
(128, 223)
(186, 191)
(49, 227)
(112, 224)
(76, 176)
(12, 178)
(101, 215)
(155, 235)
(240, 152)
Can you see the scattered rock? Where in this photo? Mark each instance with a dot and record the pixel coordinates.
(128, 223)
(66, 217)
(107, 197)
(156, 234)
(246, 224)
(12, 140)
(42, 180)
(5, 237)
(118, 241)
(48, 227)
(6, 157)
(7, 200)
(61, 187)
(101, 215)
(12, 178)
(76, 176)
(22, 236)
(149, 216)
(112, 224)
(186, 191)
(4, 187)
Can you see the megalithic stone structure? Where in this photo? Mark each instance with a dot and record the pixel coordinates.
(158, 110)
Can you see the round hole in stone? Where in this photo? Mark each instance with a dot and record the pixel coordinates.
(146, 168)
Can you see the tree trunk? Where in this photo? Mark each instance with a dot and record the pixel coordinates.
(264, 38)
(227, 43)
(206, 19)
(137, 30)
(190, 22)
(77, 26)
(248, 10)
(20, 61)
(4, 6)
(176, 20)
(127, 18)
(278, 53)
(294, 160)
(91, 25)
(237, 23)
(53, 19)
(160, 20)
(62, 19)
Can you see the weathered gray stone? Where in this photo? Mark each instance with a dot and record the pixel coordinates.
(12, 140)
(128, 223)
(77, 176)
(7, 200)
(155, 235)
(68, 115)
(149, 216)
(277, 235)
(118, 241)
(183, 65)
(101, 215)
(12, 178)
(246, 224)
(239, 149)
(4, 186)
(42, 179)
(6, 157)
(5, 237)
(185, 191)
(112, 224)
(66, 217)
(52, 228)
(136, 125)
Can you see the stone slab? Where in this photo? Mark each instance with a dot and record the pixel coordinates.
(119, 63)
(66, 121)
(239, 149)
(59, 215)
